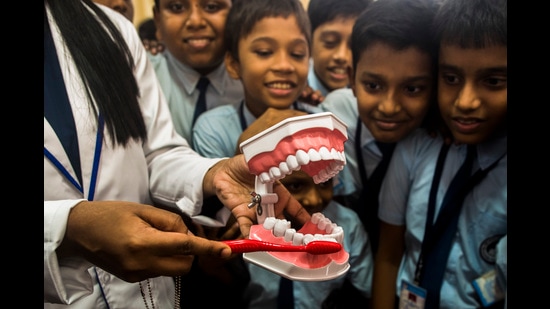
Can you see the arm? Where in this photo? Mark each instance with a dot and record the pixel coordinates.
(149, 242)
(386, 265)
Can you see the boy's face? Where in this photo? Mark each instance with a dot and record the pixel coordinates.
(472, 91)
(313, 197)
(192, 30)
(331, 52)
(272, 64)
(393, 90)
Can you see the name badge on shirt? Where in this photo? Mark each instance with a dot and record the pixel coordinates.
(487, 288)
(412, 296)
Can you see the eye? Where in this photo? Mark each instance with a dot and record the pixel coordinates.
(263, 53)
(212, 7)
(450, 79)
(372, 86)
(413, 90)
(496, 82)
(293, 187)
(176, 7)
(298, 55)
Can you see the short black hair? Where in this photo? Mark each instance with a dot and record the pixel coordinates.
(147, 29)
(472, 23)
(323, 11)
(245, 14)
(398, 23)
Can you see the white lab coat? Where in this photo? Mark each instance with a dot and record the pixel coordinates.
(162, 169)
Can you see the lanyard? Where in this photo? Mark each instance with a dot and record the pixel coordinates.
(433, 231)
(95, 167)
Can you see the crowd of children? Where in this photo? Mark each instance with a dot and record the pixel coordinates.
(422, 88)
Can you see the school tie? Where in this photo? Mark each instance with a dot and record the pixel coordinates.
(200, 107)
(439, 238)
(285, 298)
(372, 191)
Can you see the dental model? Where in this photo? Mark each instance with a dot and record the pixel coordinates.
(315, 144)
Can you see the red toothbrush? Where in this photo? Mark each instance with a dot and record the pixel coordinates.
(252, 245)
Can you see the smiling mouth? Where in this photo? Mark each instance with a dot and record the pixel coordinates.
(315, 144)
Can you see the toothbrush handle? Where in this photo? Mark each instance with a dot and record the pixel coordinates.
(252, 245)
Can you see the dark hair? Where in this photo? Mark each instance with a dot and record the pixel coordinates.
(472, 23)
(398, 23)
(104, 63)
(147, 29)
(245, 14)
(323, 11)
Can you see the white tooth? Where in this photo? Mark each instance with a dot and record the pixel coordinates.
(316, 217)
(329, 228)
(280, 227)
(275, 172)
(302, 157)
(323, 175)
(308, 238)
(292, 162)
(322, 225)
(289, 234)
(297, 240)
(265, 178)
(325, 154)
(335, 155)
(284, 168)
(314, 155)
(269, 223)
(338, 234)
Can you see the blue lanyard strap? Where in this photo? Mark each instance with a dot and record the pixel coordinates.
(95, 166)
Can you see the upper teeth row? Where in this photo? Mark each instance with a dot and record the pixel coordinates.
(281, 228)
(294, 163)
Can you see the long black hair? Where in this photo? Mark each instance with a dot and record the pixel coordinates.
(105, 65)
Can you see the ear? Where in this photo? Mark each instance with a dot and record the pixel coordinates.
(232, 65)
(351, 78)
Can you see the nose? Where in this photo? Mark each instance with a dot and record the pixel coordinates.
(468, 98)
(389, 104)
(312, 198)
(195, 18)
(283, 63)
(342, 53)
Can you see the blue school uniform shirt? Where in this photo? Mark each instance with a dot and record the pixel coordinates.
(404, 202)
(263, 288)
(178, 82)
(217, 131)
(343, 104)
(314, 82)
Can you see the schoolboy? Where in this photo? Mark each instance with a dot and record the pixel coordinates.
(192, 33)
(331, 25)
(268, 48)
(420, 228)
(352, 290)
(392, 94)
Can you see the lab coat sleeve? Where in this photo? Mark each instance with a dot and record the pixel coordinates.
(176, 171)
(65, 280)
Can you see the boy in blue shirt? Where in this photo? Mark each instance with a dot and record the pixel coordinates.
(192, 33)
(426, 221)
(392, 93)
(331, 25)
(268, 48)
